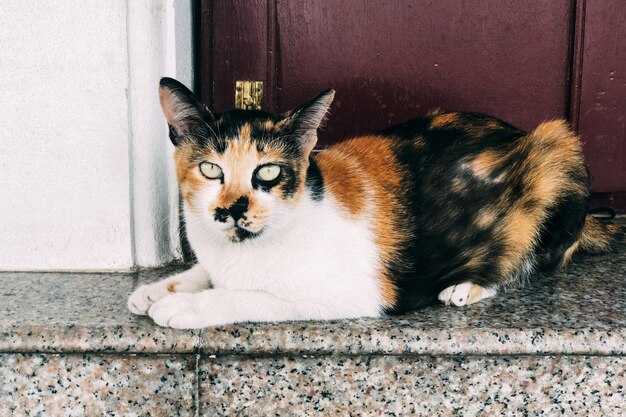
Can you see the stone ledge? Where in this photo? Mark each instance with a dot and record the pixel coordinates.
(82, 312)
(97, 385)
(581, 310)
(425, 385)
(192, 385)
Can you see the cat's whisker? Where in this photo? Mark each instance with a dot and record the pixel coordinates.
(215, 136)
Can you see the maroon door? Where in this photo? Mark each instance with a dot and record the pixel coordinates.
(601, 107)
(524, 61)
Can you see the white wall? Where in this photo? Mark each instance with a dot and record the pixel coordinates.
(85, 163)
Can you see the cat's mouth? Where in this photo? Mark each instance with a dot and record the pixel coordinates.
(239, 234)
(239, 231)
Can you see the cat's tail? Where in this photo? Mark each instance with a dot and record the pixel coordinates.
(598, 237)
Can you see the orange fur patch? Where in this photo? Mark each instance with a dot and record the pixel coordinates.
(388, 290)
(520, 230)
(486, 217)
(443, 119)
(569, 253)
(597, 237)
(190, 179)
(553, 152)
(239, 160)
(363, 173)
(171, 286)
(492, 125)
(476, 257)
(485, 163)
(245, 133)
(343, 180)
(473, 263)
(475, 294)
(271, 155)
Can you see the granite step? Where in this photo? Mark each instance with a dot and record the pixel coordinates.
(555, 346)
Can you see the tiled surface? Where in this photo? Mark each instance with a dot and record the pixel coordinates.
(97, 385)
(581, 310)
(419, 385)
(61, 312)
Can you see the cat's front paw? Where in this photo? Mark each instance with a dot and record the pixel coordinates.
(179, 311)
(465, 293)
(144, 296)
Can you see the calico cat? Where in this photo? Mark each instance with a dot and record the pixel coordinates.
(451, 206)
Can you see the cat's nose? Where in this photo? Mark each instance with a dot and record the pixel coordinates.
(238, 208)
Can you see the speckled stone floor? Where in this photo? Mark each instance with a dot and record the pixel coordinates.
(556, 346)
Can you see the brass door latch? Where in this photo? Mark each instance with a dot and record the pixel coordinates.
(249, 95)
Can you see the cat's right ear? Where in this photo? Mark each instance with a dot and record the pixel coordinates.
(181, 108)
(303, 121)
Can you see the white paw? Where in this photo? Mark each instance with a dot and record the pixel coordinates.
(465, 293)
(456, 295)
(178, 311)
(144, 296)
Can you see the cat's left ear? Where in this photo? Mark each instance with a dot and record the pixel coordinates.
(303, 121)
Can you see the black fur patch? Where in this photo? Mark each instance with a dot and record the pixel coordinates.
(442, 203)
(221, 214)
(238, 208)
(243, 234)
(314, 181)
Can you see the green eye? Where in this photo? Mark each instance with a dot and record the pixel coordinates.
(268, 173)
(211, 171)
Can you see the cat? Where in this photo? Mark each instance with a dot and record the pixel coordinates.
(450, 206)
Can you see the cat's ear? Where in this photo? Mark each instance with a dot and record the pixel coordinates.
(181, 108)
(303, 121)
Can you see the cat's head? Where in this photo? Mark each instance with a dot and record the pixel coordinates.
(242, 171)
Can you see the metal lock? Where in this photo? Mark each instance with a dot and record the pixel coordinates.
(249, 95)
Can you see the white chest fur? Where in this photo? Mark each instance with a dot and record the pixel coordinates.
(322, 257)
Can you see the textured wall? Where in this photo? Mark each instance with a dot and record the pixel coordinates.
(77, 83)
(160, 44)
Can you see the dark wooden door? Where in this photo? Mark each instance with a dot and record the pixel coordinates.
(524, 61)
